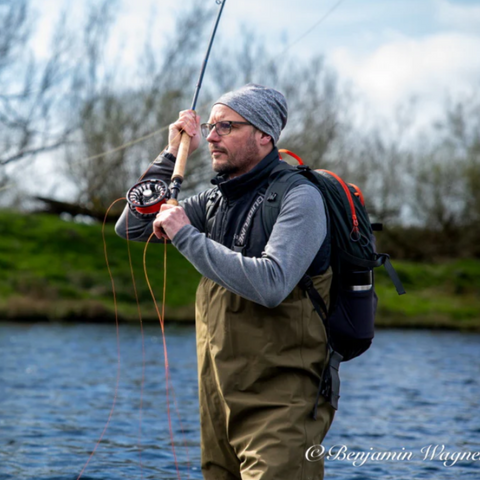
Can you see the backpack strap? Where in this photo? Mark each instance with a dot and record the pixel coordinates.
(282, 179)
(329, 386)
(392, 273)
(319, 305)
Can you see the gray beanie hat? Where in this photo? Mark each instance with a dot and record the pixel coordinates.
(265, 108)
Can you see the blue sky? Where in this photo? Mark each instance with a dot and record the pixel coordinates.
(387, 50)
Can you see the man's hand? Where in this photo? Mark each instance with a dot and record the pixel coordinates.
(188, 122)
(169, 221)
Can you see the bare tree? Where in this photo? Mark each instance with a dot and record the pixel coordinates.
(448, 174)
(316, 102)
(29, 88)
(315, 105)
(112, 115)
(434, 183)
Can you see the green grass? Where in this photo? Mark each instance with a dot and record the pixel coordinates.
(56, 270)
(440, 295)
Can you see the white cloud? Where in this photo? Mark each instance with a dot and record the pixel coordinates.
(427, 68)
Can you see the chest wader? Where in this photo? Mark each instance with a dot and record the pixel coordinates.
(259, 369)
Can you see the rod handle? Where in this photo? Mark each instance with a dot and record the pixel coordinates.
(181, 161)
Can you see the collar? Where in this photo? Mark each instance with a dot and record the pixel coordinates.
(235, 188)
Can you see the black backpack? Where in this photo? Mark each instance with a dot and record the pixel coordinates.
(349, 322)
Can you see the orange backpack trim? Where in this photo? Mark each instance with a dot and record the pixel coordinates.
(358, 193)
(294, 155)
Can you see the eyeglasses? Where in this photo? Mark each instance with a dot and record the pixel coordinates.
(222, 128)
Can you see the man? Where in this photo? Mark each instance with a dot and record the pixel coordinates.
(261, 347)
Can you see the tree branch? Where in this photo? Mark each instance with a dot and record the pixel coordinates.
(33, 151)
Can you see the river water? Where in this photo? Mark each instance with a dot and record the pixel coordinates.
(411, 394)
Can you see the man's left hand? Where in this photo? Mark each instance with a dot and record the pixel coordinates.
(169, 221)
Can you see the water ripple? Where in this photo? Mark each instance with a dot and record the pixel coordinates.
(412, 390)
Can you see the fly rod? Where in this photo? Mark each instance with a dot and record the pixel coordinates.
(147, 196)
(181, 162)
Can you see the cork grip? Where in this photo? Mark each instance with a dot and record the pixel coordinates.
(182, 156)
(181, 162)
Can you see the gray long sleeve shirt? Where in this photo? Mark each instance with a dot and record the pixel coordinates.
(296, 238)
(293, 244)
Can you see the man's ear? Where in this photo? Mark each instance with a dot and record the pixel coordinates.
(265, 139)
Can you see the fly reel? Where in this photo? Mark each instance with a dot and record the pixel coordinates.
(148, 196)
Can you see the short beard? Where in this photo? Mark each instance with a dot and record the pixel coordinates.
(249, 157)
(226, 170)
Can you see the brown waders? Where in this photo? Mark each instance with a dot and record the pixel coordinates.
(259, 370)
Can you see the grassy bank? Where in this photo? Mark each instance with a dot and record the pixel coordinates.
(56, 270)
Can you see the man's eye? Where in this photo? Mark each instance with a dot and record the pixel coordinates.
(224, 125)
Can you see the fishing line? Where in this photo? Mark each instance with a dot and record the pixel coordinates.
(307, 32)
(161, 316)
(100, 155)
(142, 384)
(174, 397)
(165, 353)
(118, 339)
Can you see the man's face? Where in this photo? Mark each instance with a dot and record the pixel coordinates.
(239, 151)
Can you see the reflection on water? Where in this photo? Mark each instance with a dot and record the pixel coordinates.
(57, 384)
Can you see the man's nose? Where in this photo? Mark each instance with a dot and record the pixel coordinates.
(213, 136)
